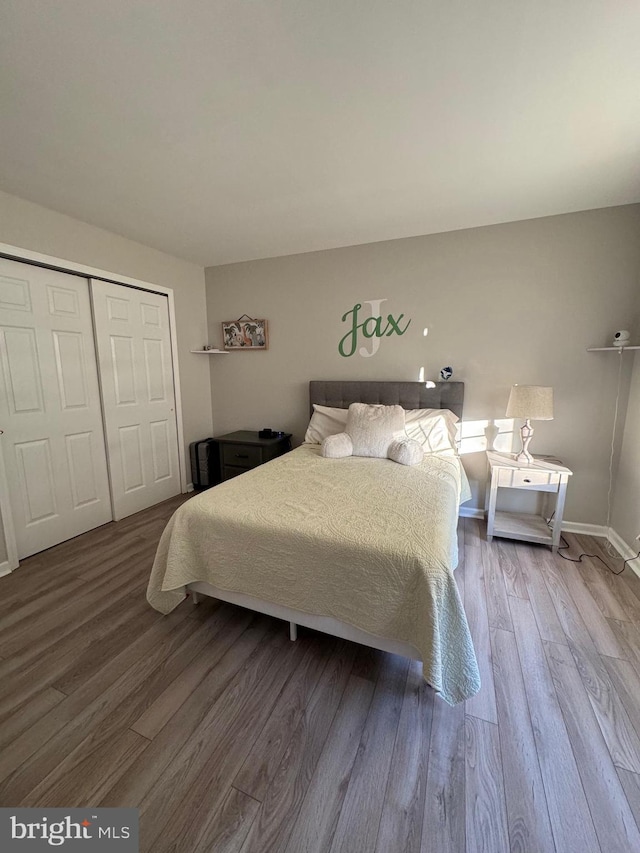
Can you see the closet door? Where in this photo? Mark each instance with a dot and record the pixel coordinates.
(134, 352)
(53, 441)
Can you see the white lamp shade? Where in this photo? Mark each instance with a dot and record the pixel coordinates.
(534, 402)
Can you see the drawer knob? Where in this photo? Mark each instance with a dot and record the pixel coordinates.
(242, 456)
(527, 480)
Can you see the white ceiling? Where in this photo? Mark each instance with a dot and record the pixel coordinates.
(221, 130)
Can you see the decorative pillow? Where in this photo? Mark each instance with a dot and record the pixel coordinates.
(434, 429)
(337, 446)
(406, 451)
(373, 428)
(374, 431)
(325, 421)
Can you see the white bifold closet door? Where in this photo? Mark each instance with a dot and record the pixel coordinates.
(50, 413)
(134, 353)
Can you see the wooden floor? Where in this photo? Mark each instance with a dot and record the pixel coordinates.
(228, 737)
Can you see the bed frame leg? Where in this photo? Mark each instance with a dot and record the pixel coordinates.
(195, 597)
(293, 632)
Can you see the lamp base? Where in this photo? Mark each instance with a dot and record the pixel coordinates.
(526, 432)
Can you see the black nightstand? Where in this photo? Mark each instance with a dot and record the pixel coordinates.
(242, 450)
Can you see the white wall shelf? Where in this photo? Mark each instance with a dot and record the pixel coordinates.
(610, 349)
(208, 352)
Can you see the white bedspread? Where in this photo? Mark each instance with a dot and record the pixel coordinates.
(366, 541)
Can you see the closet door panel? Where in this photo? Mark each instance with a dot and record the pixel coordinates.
(50, 410)
(134, 350)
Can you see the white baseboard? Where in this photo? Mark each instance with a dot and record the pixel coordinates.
(587, 529)
(627, 552)
(470, 512)
(5, 569)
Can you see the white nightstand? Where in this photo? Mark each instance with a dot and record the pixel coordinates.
(545, 474)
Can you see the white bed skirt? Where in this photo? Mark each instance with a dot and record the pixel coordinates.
(296, 617)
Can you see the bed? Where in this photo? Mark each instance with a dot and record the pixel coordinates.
(360, 548)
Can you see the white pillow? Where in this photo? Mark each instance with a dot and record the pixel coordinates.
(325, 421)
(373, 428)
(336, 446)
(433, 429)
(406, 451)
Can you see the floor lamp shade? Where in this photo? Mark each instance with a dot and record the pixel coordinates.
(533, 403)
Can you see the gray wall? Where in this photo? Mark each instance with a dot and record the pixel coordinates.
(30, 226)
(519, 302)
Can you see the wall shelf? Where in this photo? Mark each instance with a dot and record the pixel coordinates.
(610, 349)
(208, 352)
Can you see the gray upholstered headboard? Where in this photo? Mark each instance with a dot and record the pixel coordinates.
(410, 395)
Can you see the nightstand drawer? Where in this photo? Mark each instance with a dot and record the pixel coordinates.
(229, 472)
(538, 480)
(241, 455)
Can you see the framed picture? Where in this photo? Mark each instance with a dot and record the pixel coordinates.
(245, 334)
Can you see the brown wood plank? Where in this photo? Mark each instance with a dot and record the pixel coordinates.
(560, 572)
(549, 626)
(626, 683)
(401, 822)
(509, 561)
(272, 828)
(628, 635)
(498, 613)
(618, 732)
(571, 821)
(474, 532)
(24, 611)
(257, 772)
(443, 822)
(485, 808)
(82, 777)
(573, 625)
(207, 765)
(368, 663)
(84, 607)
(228, 828)
(357, 828)
(613, 820)
(224, 628)
(315, 824)
(236, 665)
(49, 651)
(631, 785)
(40, 702)
(90, 706)
(611, 595)
(483, 704)
(528, 816)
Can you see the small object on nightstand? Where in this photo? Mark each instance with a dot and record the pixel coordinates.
(544, 474)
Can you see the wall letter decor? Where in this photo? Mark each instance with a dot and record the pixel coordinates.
(371, 327)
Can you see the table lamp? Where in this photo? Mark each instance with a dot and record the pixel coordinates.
(533, 403)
